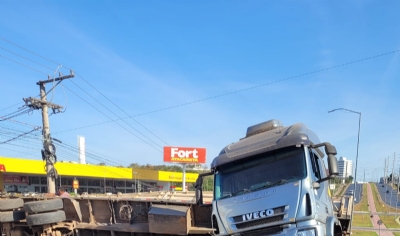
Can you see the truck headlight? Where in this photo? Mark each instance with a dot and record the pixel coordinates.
(306, 232)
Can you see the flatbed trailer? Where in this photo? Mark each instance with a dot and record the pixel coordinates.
(159, 213)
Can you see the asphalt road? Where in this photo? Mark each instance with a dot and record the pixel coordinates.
(358, 192)
(388, 195)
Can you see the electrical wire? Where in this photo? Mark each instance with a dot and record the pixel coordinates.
(121, 109)
(241, 90)
(32, 141)
(10, 42)
(17, 104)
(203, 99)
(115, 114)
(22, 111)
(19, 63)
(112, 119)
(37, 63)
(86, 92)
(20, 123)
(35, 129)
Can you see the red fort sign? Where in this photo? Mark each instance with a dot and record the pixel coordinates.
(185, 155)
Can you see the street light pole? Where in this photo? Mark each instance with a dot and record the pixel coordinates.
(355, 174)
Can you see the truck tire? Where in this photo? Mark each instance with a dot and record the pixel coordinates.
(9, 204)
(43, 206)
(45, 218)
(12, 216)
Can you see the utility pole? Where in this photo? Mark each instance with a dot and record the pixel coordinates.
(48, 151)
(385, 180)
(394, 160)
(364, 175)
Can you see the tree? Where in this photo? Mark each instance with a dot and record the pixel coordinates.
(102, 164)
(134, 165)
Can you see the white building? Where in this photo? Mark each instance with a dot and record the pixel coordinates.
(345, 167)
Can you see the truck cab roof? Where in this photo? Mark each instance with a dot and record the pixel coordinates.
(265, 137)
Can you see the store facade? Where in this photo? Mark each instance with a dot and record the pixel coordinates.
(24, 175)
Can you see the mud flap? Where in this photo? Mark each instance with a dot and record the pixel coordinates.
(169, 219)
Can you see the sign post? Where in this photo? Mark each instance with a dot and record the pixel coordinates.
(379, 223)
(75, 186)
(184, 155)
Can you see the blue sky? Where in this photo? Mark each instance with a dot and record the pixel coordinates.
(198, 73)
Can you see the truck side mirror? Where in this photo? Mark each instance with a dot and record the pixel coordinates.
(330, 150)
(199, 189)
(333, 166)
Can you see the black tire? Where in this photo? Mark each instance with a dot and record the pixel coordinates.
(45, 218)
(12, 216)
(9, 204)
(43, 206)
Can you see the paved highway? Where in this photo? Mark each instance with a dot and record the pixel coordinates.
(388, 195)
(358, 193)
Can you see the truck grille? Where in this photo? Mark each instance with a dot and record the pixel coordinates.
(264, 231)
(260, 222)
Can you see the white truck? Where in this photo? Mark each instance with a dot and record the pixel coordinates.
(272, 182)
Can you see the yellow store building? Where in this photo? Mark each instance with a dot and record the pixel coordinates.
(24, 175)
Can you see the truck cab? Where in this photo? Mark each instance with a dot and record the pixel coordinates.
(273, 181)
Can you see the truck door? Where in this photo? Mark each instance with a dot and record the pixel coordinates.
(320, 194)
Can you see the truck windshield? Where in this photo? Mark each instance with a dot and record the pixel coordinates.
(261, 171)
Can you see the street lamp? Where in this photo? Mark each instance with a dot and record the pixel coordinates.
(355, 174)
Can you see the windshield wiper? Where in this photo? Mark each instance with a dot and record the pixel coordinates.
(245, 190)
(268, 184)
(279, 182)
(256, 187)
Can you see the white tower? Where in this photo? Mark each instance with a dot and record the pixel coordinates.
(82, 150)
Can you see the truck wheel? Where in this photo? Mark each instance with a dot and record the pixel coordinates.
(45, 218)
(9, 204)
(43, 206)
(12, 216)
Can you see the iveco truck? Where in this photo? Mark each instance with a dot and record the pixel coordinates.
(273, 182)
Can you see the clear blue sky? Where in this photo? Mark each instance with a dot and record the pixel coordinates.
(182, 69)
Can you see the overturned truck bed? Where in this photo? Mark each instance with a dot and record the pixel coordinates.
(343, 208)
(162, 213)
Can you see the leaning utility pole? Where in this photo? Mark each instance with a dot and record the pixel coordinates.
(49, 150)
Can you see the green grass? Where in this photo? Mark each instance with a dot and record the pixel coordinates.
(364, 233)
(389, 221)
(379, 205)
(362, 220)
(363, 204)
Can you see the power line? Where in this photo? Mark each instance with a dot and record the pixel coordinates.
(122, 109)
(12, 106)
(24, 65)
(242, 90)
(21, 111)
(33, 141)
(115, 114)
(35, 129)
(26, 58)
(20, 122)
(112, 119)
(8, 41)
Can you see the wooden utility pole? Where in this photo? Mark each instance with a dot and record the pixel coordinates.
(48, 151)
